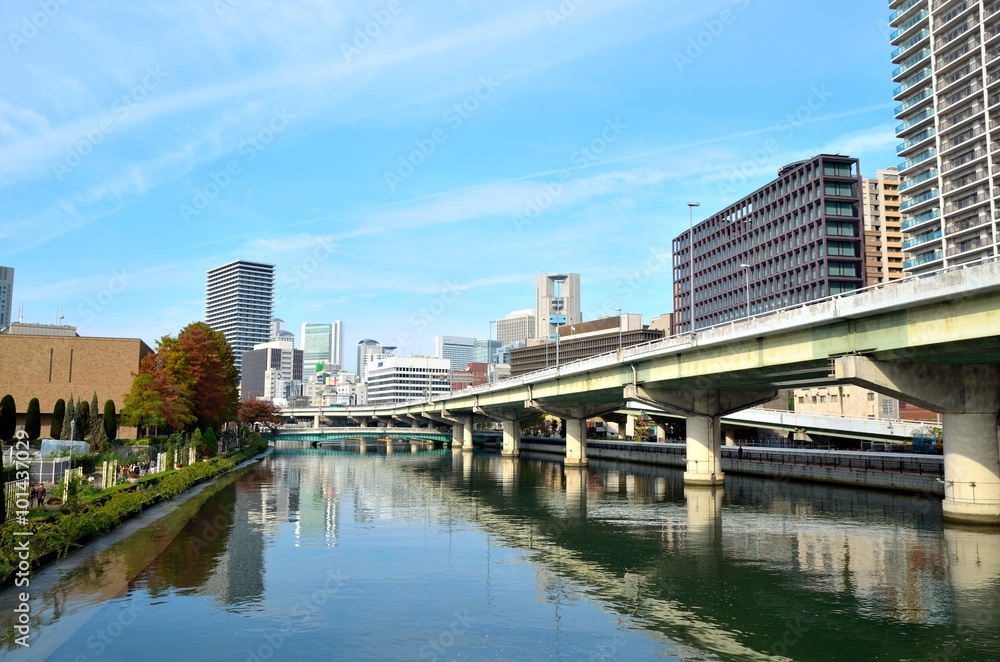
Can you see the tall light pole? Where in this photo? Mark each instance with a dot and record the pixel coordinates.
(691, 206)
(746, 270)
(489, 353)
(619, 311)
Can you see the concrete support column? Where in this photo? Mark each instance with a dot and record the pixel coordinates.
(703, 410)
(576, 442)
(457, 434)
(511, 438)
(630, 426)
(661, 432)
(467, 430)
(704, 452)
(730, 437)
(315, 420)
(969, 398)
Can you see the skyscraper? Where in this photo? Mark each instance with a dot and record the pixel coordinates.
(948, 77)
(517, 327)
(557, 299)
(457, 349)
(883, 238)
(238, 303)
(323, 343)
(6, 295)
(366, 348)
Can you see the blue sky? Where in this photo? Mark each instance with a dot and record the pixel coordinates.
(408, 168)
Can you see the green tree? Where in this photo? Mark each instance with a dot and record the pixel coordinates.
(58, 414)
(33, 420)
(110, 420)
(67, 426)
(8, 418)
(95, 417)
(143, 407)
(209, 444)
(82, 419)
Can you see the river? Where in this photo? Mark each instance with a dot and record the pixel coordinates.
(417, 554)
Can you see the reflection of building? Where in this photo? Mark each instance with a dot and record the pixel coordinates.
(238, 300)
(51, 362)
(237, 577)
(800, 237)
(557, 303)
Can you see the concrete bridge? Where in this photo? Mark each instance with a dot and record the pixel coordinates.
(930, 340)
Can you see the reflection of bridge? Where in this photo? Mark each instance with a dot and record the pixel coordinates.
(932, 341)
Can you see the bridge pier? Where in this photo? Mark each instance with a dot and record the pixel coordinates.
(703, 409)
(510, 419)
(575, 417)
(968, 396)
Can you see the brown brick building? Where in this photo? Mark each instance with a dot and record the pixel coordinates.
(52, 362)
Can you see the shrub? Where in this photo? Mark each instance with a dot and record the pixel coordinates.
(58, 413)
(8, 417)
(110, 421)
(33, 420)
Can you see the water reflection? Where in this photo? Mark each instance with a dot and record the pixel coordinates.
(612, 557)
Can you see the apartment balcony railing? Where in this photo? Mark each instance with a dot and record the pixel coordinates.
(923, 259)
(914, 101)
(912, 142)
(923, 75)
(966, 224)
(919, 179)
(912, 62)
(919, 220)
(921, 239)
(909, 23)
(910, 43)
(902, 10)
(920, 199)
(918, 159)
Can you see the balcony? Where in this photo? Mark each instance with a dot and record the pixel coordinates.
(916, 140)
(914, 121)
(921, 76)
(919, 179)
(907, 6)
(958, 227)
(912, 62)
(908, 24)
(923, 259)
(921, 239)
(913, 101)
(983, 241)
(917, 160)
(910, 43)
(920, 199)
(961, 160)
(932, 215)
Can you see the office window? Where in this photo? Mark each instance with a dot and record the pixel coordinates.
(834, 169)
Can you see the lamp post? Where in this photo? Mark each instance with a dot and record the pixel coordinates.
(619, 311)
(746, 270)
(489, 354)
(691, 206)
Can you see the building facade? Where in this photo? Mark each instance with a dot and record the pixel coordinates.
(517, 327)
(883, 235)
(395, 379)
(947, 80)
(238, 301)
(796, 239)
(457, 349)
(557, 303)
(583, 340)
(271, 371)
(366, 348)
(323, 344)
(52, 363)
(6, 295)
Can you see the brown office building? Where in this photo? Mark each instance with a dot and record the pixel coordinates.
(797, 239)
(50, 362)
(583, 340)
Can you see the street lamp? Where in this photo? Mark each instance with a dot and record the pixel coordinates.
(489, 354)
(619, 311)
(746, 270)
(691, 206)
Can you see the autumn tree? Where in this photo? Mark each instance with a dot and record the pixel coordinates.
(213, 373)
(143, 407)
(266, 413)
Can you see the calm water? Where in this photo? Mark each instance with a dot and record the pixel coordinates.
(432, 555)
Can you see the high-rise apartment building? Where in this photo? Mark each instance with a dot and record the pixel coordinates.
(366, 348)
(6, 295)
(517, 327)
(883, 236)
(323, 344)
(557, 303)
(457, 349)
(238, 301)
(947, 74)
(796, 239)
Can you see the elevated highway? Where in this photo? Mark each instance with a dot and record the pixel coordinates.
(930, 340)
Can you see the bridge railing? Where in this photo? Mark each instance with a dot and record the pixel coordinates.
(915, 464)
